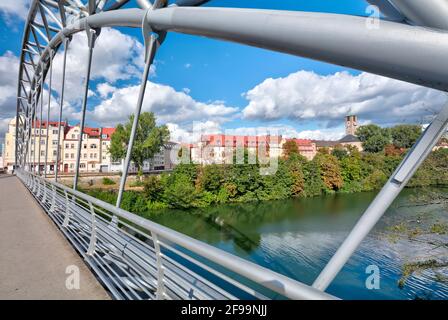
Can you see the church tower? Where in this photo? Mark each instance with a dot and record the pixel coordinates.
(351, 124)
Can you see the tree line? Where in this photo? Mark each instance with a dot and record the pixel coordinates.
(343, 169)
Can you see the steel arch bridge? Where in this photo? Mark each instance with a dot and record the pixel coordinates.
(138, 259)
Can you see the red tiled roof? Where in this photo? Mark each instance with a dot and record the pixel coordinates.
(301, 142)
(36, 124)
(92, 132)
(226, 140)
(108, 132)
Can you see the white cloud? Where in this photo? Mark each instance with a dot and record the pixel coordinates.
(290, 132)
(14, 8)
(169, 105)
(306, 96)
(187, 65)
(105, 89)
(192, 133)
(116, 56)
(9, 65)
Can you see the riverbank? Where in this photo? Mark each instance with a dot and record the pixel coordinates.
(192, 186)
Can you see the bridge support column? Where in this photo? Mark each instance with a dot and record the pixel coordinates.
(152, 43)
(384, 199)
(48, 111)
(91, 37)
(61, 103)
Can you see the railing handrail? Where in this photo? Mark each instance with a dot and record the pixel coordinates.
(267, 278)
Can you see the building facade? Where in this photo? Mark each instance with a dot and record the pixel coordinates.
(93, 151)
(221, 149)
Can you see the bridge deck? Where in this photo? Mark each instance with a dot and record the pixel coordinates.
(34, 255)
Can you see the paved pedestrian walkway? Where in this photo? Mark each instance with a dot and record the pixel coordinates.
(34, 255)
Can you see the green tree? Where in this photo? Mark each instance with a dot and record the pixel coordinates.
(330, 171)
(376, 143)
(404, 136)
(148, 140)
(153, 188)
(290, 148)
(295, 165)
(313, 179)
(339, 152)
(211, 178)
(366, 132)
(180, 192)
(373, 137)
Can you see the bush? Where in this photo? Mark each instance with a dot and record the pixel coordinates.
(153, 188)
(108, 182)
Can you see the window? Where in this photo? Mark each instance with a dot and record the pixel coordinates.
(85, 146)
(104, 136)
(93, 146)
(104, 158)
(54, 153)
(42, 141)
(42, 153)
(73, 136)
(104, 143)
(73, 146)
(55, 142)
(85, 155)
(55, 131)
(94, 155)
(66, 155)
(93, 165)
(72, 156)
(82, 165)
(91, 155)
(71, 165)
(67, 146)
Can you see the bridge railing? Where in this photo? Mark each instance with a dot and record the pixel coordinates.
(138, 259)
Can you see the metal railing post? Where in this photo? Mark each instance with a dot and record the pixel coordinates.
(44, 185)
(92, 242)
(91, 37)
(53, 199)
(160, 294)
(67, 210)
(61, 103)
(385, 197)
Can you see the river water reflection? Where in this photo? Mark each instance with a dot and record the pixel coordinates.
(297, 237)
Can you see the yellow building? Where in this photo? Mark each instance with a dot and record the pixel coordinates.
(94, 152)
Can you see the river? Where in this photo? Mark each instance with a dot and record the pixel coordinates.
(297, 237)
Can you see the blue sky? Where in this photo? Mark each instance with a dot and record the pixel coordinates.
(198, 75)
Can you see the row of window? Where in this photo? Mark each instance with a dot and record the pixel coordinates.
(72, 146)
(72, 156)
(42, 131)
(42, 153)
(42, 141)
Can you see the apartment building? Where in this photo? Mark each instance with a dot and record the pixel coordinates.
(220, 148)
(94, 149)
(38, 144)
(90, 150)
